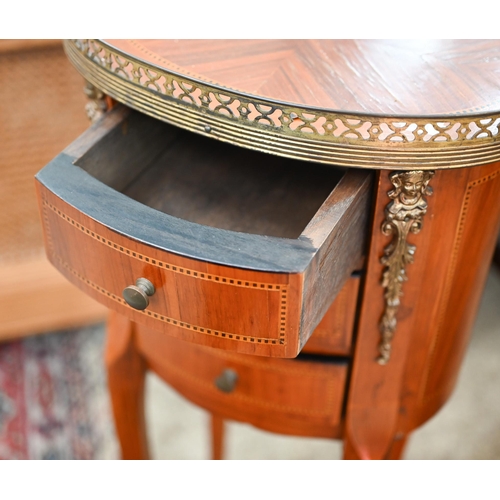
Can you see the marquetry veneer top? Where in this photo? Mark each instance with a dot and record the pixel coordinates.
(335, 98)
(385, 77)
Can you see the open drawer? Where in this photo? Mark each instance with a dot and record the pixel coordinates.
(245, 251)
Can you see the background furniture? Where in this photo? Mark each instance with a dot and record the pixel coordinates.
(42, 109)
(173, 221)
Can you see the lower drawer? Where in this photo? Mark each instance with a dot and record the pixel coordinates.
(285, 396)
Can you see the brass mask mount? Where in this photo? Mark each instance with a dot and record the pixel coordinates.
(403, 215)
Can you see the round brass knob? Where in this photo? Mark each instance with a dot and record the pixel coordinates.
(226, 381)
(137, 296)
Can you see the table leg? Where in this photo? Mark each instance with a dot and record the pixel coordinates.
(397, 448)
(395, 451)
(126, 375)
(217, 428)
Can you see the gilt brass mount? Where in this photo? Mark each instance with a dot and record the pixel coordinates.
(96, 105)
(403, 215)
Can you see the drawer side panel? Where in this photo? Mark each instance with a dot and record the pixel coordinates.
(333, 335)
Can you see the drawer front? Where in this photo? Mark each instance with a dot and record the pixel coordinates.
(196, 301)
(333, 335)
(245, 292)
(284, 396)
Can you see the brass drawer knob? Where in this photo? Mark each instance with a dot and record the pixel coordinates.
(226, 381)
(137, 296)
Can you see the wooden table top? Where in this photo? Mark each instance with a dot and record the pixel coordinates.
(375, 77)
(347, 102)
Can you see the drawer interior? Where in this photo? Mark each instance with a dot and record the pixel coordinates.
(208, 182)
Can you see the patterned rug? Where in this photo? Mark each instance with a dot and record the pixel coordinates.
(53, 397)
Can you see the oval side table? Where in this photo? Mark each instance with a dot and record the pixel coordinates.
(336, 202)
